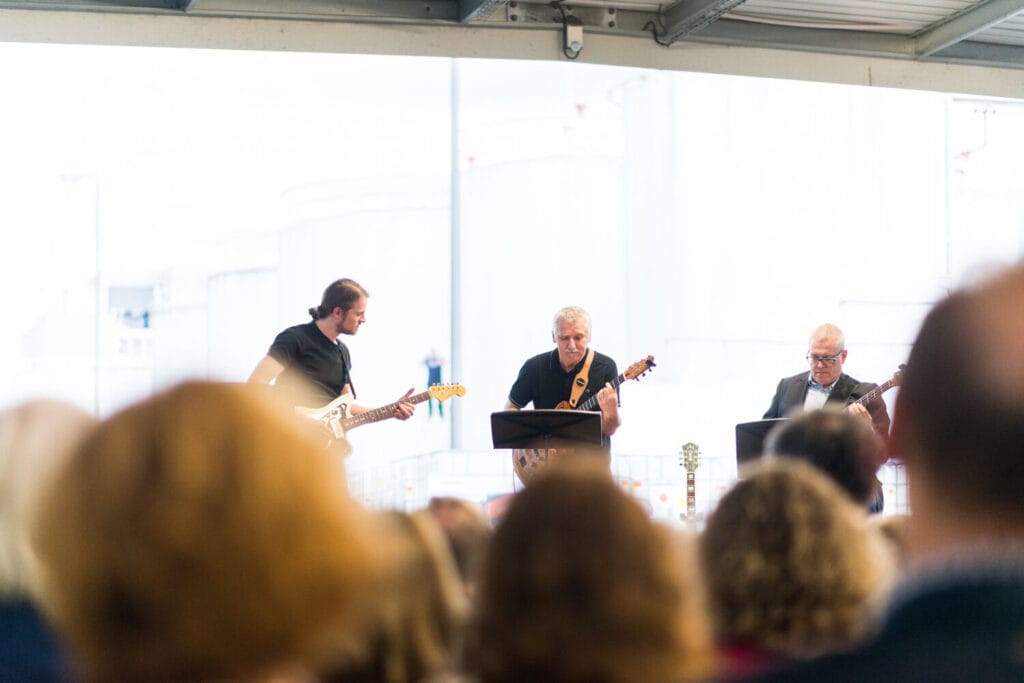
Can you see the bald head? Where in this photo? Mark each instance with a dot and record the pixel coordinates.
(960, 412)
(830, 335)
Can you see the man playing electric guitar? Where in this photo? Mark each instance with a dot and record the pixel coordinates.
(548, 380)
(309, 365)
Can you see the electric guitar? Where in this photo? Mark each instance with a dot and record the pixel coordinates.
(335, 414)
(894, 381)
(689, 457)
(529, 461)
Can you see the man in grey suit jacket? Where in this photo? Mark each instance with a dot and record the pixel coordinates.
(825, 384)
(959, 613)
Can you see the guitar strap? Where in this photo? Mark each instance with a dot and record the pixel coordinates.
(579, 384)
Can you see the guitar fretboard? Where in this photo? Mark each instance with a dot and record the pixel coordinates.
(876, 392)
(591, 402)
(382, 413)
(691, 495)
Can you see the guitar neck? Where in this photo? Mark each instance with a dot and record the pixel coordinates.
(691, 495)
(382, 413)
(591, 402)
(875, 393)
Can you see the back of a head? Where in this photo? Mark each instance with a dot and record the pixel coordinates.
(580, 585)
(468, 533)
(959, 419)
(419, 607)
(837, 443)
(35, 439)
(789, 563)
(200, 535)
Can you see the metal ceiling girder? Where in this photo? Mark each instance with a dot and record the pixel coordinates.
(519, 13)
(981, 54)
(748, 34)
(965, 24)
(419, 11)
(689, 16)
(471, 10)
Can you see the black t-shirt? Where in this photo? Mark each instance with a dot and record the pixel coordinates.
(316, 368)
(543, 382)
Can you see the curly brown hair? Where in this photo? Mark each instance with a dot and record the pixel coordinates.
(789, 563)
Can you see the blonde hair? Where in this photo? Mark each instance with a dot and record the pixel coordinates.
(202, 535)
(789, 563)
(35, 439)
(580, 585)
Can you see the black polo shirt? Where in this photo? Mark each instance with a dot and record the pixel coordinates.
(315, 368)
(543, 382)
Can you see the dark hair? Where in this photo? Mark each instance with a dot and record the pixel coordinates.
(579, 584)
(837, 443)
(959, 414)
(343, 294)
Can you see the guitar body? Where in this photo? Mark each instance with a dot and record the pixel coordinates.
(529, 462)
(331, 414)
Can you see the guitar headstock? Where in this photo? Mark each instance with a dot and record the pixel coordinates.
(897, 377)
(442, 392)
(639, 368)
(689, 456)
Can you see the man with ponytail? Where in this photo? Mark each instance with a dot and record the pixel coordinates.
(310, 363)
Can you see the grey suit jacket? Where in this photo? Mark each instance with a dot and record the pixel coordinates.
(791, 392)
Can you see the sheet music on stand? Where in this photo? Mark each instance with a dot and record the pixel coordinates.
(535, 434)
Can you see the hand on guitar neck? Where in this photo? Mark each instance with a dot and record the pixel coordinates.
(340, 415)
(607, 398)
(403, 409)
(859, 408)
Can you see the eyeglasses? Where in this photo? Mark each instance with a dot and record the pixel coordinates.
(824, 360)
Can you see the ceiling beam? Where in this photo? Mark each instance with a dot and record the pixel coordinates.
(687, 16)
(749, 34)
(981, 54)
(965, 24)
(471, 10)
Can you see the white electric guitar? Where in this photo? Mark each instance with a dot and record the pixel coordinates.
(335, 415)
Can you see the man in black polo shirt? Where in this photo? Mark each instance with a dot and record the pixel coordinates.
(308, 362)
(546, 380)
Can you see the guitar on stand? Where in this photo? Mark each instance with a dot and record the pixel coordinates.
(689, 457)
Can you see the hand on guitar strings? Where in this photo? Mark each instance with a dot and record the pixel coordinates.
(607, 398)
(405, 409)
(859, 411)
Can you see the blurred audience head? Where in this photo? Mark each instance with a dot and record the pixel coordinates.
(790, 566)
(468, 532)
(419, 607)
(202, 535)
(959, 418)
(580, 585)
(893, 530)
(837, 443)
(36, 438)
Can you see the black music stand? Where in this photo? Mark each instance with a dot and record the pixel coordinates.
(545, 429)
(750, 438)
